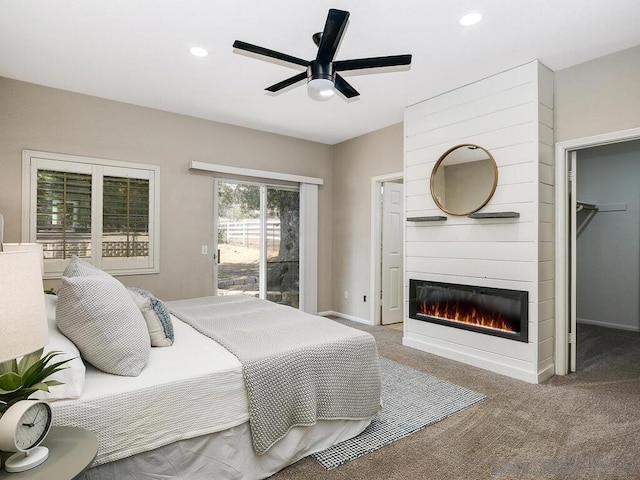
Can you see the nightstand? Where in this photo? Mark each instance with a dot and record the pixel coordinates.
(71, 452)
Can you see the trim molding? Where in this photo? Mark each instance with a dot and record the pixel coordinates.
(376, 243)
(562, 294)
(617, 326)
(467, 357)
(346, 317)
(251, 172)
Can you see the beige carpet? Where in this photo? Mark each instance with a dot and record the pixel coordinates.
(582, 426)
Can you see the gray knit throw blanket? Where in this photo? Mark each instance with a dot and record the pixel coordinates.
(298, 368)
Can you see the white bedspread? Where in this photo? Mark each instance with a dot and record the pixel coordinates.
(192, 388)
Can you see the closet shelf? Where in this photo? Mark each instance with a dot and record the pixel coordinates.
(494, 215)
(434, 218)
(586, 206)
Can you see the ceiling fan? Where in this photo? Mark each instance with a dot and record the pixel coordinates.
(322, 73)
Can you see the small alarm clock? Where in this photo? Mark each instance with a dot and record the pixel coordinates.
(23, 427)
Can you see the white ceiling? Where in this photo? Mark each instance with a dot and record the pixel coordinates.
(136, 51)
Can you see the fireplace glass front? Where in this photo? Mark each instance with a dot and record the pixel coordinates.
(493, 311)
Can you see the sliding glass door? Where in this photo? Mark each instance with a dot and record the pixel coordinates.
(258, 241)
(283, 246)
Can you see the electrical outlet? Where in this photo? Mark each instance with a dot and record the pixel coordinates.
(346, 295)
(204, 249)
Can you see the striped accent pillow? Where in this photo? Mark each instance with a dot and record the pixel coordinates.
(158, 318)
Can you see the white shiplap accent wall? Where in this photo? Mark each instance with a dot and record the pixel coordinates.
(511, 115)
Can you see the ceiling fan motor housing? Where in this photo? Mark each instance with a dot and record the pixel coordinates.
(317, 70)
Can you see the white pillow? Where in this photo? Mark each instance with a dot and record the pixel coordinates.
(72, 376)
(154, 325)
(50, 302)
(100, 317)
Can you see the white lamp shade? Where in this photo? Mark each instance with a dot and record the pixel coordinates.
(23, 322)
(26, 247)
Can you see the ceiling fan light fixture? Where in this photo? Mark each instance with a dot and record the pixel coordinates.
(320, 88)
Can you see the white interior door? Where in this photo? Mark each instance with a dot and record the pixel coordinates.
(392, 252)
(573, 341)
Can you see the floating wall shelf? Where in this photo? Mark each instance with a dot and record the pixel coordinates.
(434, 218)
(494, 215)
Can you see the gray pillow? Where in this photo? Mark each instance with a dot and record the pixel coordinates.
(100, 317)
(79, 268)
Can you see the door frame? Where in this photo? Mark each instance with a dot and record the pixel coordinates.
(376, 244)
(562, 237)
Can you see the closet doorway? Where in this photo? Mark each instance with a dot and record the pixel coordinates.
(598, 246)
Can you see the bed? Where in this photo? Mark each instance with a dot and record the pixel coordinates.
(193, 411)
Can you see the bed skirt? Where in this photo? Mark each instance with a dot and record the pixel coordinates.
(227, 455)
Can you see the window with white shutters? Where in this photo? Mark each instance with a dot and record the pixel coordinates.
(103, 211)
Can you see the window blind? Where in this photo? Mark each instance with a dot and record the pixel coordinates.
(63, 223)
(125, 217)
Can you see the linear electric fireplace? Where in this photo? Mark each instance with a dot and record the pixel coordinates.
(494, 311)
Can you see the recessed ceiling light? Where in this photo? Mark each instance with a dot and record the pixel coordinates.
(198, 51)
(471, 19)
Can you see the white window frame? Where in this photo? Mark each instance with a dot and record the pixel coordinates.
(33, 160)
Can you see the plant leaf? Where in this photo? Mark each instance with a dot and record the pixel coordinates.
(28, 360)
(10, 382)
(29, 375)
(39, 370)
(38, 386)
(9, 366)
(48, 370)
(53, 383)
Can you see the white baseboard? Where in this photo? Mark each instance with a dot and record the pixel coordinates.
(619, 326)
(346, 317)
(467, 357)
(546, 373)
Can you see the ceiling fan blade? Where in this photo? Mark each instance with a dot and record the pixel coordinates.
(331, 35)
(248, 47)
(373, 62)
(285, 83)
(345, 88)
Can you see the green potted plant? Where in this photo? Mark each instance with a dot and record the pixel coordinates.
(20, 379)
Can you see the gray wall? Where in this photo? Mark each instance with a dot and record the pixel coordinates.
(354, 163)
(41, 118)
(608, 252)
(599, 96)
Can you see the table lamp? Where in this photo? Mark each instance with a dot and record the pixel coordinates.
(23, 323)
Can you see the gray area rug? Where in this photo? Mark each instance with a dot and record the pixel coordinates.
(411, 401)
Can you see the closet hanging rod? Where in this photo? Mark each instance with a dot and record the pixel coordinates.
(586, 206)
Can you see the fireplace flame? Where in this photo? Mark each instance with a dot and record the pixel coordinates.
(465, 313)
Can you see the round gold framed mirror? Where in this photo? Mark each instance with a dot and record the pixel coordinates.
(464, 179)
